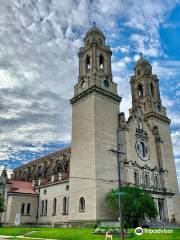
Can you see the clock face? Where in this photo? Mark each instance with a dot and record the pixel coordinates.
(106, 83)
(142, 150)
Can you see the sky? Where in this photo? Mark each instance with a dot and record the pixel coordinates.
(39, 43)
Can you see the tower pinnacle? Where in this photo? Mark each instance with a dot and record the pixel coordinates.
(145, 88)
(95, 66)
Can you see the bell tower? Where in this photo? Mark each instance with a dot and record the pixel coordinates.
(95, 109)
(95, 65)
(146, 95)
(145, 89)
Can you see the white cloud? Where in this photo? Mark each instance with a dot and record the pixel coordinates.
(166, 69)
(175, 140)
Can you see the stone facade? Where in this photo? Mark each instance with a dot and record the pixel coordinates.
(70, 185)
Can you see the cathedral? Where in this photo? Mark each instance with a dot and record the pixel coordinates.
(69, 186)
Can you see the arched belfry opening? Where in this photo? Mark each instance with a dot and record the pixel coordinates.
(101, 62)
(152, 90)
(140, 90)
(88, 63)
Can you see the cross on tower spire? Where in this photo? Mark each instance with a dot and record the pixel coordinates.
(141, 55)
(94, 24)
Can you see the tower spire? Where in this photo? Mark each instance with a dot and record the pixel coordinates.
(145, 88)
(95, 65)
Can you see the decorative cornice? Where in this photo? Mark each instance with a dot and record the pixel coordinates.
(22, 194)
(158, 191)
(98, 90)
(156, 169)
(51, 183)
(158, 116)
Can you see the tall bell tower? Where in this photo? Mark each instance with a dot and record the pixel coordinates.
(145, 89)
(95, 109)
(146, 96)
(95, 65)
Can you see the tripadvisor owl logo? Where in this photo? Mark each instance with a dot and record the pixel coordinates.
(139, 231)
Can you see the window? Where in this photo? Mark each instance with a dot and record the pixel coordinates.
(142, 150)
(101, 62)
(81, 204)
(39, 171)
(46, 206)
(156, 181)
(65, 205)
(42, 207)
(88, 66)
(152, 89)
(100, 42)
(136, 177)
(28, 209)
(54, 206)
(138, 72)
(23, 208)
(146, 179)
(140, 90)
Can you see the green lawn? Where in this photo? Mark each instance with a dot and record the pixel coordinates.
(14, 231)
(80, 234)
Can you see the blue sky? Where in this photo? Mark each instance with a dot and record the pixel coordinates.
(39, 65)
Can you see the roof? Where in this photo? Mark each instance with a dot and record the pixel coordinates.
(94, 29)
(21, 187)
(142, 61)
(60, 151)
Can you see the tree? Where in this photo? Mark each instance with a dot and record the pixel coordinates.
(1, 204)
(136, 204)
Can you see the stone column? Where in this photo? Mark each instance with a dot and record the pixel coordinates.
(157, 206)
(165, 208)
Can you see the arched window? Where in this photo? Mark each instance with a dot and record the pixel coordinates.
(140, 90)
(156, 181)
(23, 208)
(101, 62)
(28, 209)
(54, 206)
(82, 204)
(100, 42)
(88, 42)
(152, 89)
(142, 149)
(65, 205)
(39, 171)
(136, 177)
(146, 179)
(42, 207)
(138, 72)
(88, 65)
(46, 206)
(24, 175)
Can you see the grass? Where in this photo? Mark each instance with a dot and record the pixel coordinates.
(14, 231)
(81, 234)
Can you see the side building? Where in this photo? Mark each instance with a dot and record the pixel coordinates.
(36, 189)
